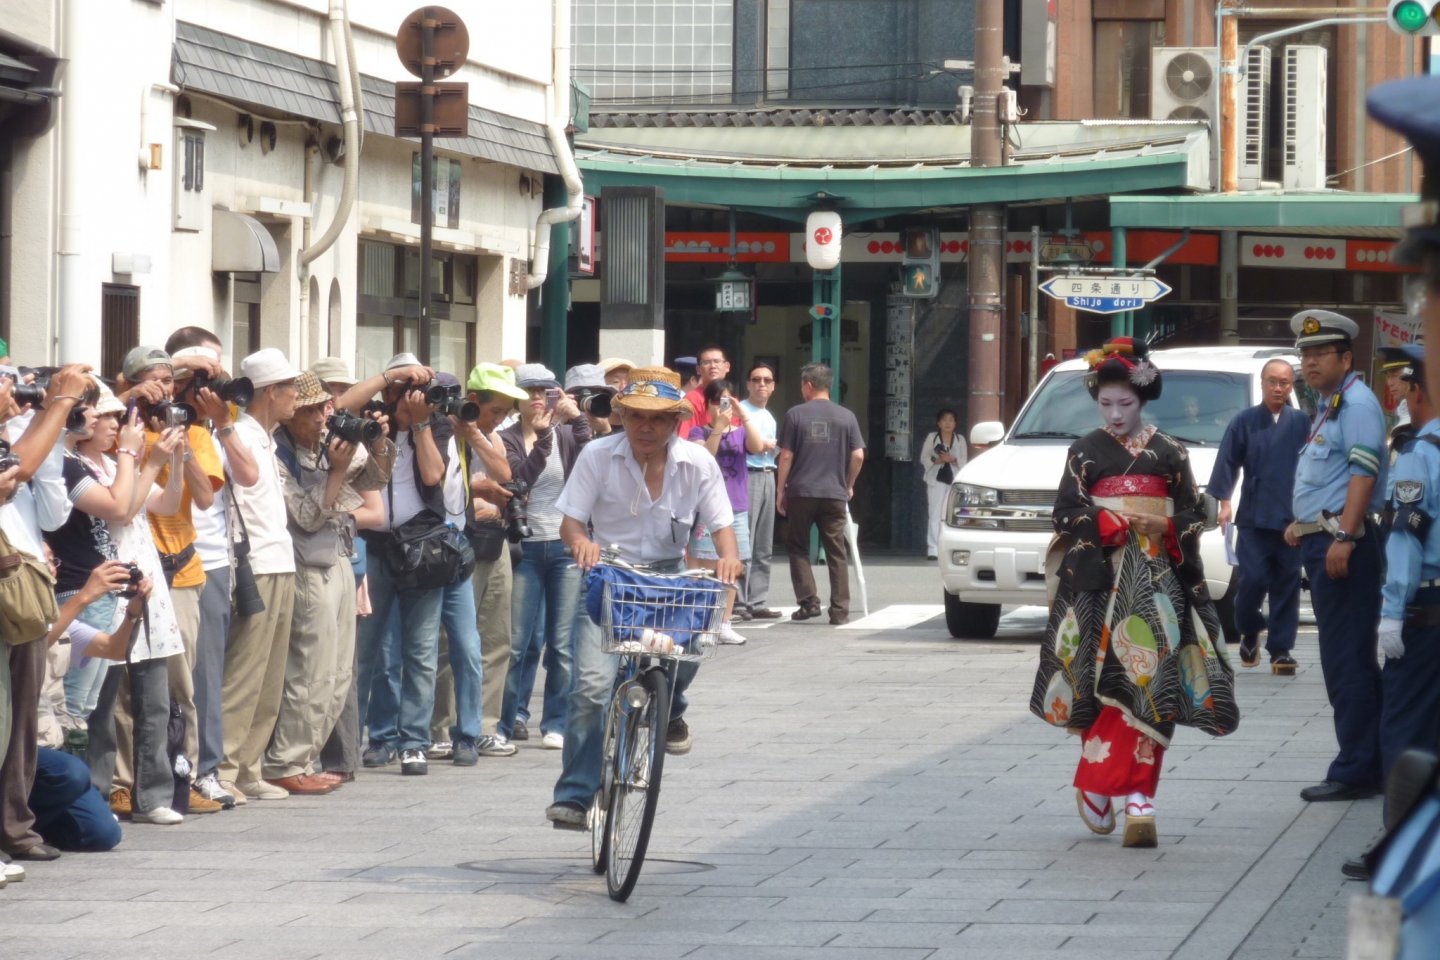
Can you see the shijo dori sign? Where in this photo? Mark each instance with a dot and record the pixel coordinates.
(1105, 293)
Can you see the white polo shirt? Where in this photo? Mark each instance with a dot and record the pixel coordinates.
(262, 506)
(607, 490)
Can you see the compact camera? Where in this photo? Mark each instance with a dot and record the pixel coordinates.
(132, 585)
(172, 414)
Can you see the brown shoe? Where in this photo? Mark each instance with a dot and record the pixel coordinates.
(199, 804)
(302, 785)
(326, 776)
(120, 802)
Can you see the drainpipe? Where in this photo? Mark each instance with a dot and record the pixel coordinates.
(348, 79)
(76, 341)
(557, 108)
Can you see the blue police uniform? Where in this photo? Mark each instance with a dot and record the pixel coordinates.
(1266, 448)
(1346, 440)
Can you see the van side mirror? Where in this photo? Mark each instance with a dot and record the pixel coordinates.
(984, 434)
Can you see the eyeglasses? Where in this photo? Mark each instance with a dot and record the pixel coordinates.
(713, 362)
(1287, 384)
(762, 379)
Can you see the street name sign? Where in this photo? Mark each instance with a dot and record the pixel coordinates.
(1105, 293)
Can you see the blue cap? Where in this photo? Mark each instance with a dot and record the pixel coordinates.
(1411, 108)
(1408, 360)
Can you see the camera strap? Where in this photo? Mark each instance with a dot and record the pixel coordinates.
(130, 647)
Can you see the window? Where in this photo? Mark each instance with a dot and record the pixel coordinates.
(119, 324)
(1122, 66)
(1195, 406)
(388, 320)
(192, 174)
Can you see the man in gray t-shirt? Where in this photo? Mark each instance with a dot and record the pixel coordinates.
(821, 452)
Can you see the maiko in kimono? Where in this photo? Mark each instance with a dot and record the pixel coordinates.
(1133, 645)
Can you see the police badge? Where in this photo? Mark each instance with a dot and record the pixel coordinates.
(1409, 491)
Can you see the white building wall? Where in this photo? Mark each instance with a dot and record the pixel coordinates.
(73, 226)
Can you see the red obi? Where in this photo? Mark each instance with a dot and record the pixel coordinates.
(1136, 485)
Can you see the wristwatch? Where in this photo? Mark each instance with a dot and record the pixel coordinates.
(1342, 537)
(225, 431)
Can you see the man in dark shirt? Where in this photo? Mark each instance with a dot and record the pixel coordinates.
(821, 452)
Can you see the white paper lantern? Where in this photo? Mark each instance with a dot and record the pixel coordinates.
(822, 240)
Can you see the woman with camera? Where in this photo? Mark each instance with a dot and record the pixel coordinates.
(729, 437)
(943, 454)
(542, 447)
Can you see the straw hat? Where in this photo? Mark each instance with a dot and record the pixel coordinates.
(655, 390)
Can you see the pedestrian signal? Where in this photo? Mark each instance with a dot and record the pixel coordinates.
(1413, 18)
(920, 265)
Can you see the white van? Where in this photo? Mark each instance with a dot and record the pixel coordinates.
(997, 525)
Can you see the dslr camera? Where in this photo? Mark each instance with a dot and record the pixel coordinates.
(353, 429)
(33, 394)
(451, 401)
(515, 514)
(7, 459)
(237, 390)
(594, 402)
(132, 586)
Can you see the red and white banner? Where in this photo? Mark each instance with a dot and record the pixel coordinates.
(1395, 328)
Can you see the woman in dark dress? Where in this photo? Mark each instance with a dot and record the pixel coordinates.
(1133, 645)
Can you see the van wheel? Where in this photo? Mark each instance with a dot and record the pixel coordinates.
(974, 621)
(1225, 610)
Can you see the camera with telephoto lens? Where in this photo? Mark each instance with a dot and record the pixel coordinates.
(32, 394)
(132, 585)
(7, 459)
(515, 515)
(172, 414)
(451, 402)
(353, 429)
(236, 390)
(594, 402)
(375, 406)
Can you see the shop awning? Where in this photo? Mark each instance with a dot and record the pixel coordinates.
(251, 74)
(1316, 214)
(874, 173)
(241, 244)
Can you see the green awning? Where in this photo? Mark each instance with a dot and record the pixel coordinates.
(1340, 214)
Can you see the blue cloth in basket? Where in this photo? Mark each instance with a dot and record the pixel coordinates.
(683, 608)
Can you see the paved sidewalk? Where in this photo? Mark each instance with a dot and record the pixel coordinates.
(852, 794)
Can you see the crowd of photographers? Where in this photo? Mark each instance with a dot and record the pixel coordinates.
(203, 577)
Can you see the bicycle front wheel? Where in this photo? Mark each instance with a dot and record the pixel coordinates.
(600, 804)
(640, 759)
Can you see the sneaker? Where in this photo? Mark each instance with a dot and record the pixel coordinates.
(198, 803)
(466, 752)
(677, 737)
(209, 787)
(521, 732)
(413, 762)
(262, 790)
(568, 816)
(552, 741)
(120, 804)
(728, 635)
(440, 750)
(496, 746)
(235, 792)
(11, 873)
(378, 755)
(162, 816)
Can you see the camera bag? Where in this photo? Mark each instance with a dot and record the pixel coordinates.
(426, 552)
(27, 595)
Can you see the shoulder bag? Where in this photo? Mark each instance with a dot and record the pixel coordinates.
(27, 595)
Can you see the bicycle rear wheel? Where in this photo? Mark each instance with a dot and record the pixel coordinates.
(600, 804)
(640, 759)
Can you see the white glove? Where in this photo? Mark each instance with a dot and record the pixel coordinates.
(1390, 643)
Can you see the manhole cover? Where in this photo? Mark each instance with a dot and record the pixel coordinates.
(549, 867)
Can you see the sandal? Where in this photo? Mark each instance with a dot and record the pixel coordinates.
(1139, 822)
(1283, 665)
(1250, 650)
(1099, 817)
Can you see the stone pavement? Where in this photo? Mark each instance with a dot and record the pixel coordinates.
(852, 793)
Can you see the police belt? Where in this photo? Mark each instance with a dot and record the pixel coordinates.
(1423, 616)
(1327, 524)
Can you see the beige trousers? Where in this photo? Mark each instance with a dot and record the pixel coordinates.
(492, 617)
(186, 601)
(255, 656)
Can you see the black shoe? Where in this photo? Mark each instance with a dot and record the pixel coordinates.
(1250, 650)
(764, 613)
(677, 737)
(413, 763)
(741, 613)
(521, 731)
(807, 611)
(567, 816)
(378, 755)
(1355, 869)
(931, 557)
(41, 851)
(1338, 790)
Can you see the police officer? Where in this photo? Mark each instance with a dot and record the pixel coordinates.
(1410, 609)
(1264, 442)
(1339, 483)
(1393, 360)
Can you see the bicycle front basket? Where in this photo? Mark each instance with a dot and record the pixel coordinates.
(634, 610)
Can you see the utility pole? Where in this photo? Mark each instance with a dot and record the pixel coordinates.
(987, 221)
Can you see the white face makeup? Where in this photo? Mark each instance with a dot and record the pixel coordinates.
(1119, 408)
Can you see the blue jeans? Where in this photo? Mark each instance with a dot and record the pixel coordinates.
(545, 579)
(69, 812)
(397, 668)
(534, 647)
(82, 684)
(595, 672)
(457, 612)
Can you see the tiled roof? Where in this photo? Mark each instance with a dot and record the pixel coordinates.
(250, 73)
(778, 117)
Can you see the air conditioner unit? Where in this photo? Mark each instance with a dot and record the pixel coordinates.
(1254, 116)
(1183, 83)
(1305, 74)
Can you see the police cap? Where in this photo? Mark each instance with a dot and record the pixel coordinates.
(1315, 327)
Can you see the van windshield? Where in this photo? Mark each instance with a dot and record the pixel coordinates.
(1194, 407)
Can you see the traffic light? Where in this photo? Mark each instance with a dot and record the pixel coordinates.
(1413, 18)
(920, 264)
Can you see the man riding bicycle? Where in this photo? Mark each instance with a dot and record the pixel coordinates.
(640, 492)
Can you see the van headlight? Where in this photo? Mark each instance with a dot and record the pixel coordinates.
(966, 502)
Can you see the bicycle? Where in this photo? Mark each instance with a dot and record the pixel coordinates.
(653, 621)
